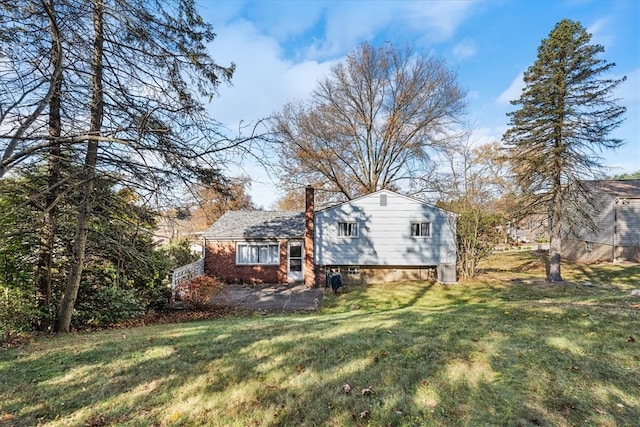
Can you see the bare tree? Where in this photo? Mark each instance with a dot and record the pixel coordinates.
(372, 124)
(29, 78)
(470, 180)
(213, 201)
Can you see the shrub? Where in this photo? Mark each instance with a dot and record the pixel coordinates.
(197, 292)
(156, 297)
(17, 312)
(106, 305)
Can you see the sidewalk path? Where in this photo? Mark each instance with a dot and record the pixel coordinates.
(280, 297)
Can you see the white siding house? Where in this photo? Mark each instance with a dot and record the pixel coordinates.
(385, 230)
(381, 237)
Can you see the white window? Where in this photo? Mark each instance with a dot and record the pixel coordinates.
(348, 229)
(258, 253)
(588, 246)
(420, 229)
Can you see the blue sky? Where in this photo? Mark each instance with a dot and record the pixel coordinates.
(283, 48)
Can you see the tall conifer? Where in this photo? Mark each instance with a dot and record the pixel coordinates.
(565, 118)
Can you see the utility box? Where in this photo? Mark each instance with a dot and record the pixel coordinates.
(447, 274)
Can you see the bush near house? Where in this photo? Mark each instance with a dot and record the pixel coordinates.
(198, 292)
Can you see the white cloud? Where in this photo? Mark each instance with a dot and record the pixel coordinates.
(263, 80)
(439, 20)
(599, 33)
(464, 49)
(513, 92)
(349, 24)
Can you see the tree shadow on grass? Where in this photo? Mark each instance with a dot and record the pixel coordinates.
(434, 357)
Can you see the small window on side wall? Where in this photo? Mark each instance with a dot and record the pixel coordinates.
(588, 246)
(420, 229)
(348, 229)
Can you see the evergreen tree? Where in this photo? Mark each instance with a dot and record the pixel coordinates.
(566, 115)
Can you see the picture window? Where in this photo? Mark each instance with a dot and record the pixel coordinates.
(258, 253)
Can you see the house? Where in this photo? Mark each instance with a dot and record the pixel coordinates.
(380, 237)
(617, 237)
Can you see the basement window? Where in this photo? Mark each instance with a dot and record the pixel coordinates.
(354, 270)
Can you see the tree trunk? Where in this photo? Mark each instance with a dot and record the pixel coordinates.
(44, 277)
(555, 239)
(84, 213)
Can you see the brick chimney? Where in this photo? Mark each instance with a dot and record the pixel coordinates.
(309, 266)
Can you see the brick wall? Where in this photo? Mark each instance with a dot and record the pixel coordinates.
(220, 261)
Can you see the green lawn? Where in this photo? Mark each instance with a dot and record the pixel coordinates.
(505, 349)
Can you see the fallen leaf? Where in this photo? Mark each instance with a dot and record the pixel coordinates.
(364, 414)
(5, 416)
(574, 368)
(346, 388)
(631, 339)
(98, 421)
(366, 391)
(299, 368)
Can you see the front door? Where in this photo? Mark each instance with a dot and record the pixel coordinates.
(295, 273)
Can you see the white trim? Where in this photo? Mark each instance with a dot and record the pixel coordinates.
(420, 225)
(350, 227)
(295, 276)
(258, 245)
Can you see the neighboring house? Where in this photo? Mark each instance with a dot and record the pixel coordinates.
(383, 236)
(618, 234)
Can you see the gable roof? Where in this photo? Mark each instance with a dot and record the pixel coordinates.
(234, 225)
(388, 192)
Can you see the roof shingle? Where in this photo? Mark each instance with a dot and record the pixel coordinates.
(236, 225)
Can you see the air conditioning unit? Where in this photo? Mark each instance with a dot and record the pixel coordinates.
(447, 273)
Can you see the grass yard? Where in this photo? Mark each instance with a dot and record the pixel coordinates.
(505, 349)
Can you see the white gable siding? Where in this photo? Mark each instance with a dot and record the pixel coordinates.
(384, 233)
